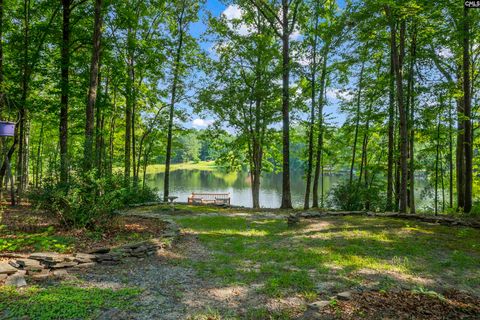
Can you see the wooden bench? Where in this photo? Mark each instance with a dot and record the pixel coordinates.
(209, 198)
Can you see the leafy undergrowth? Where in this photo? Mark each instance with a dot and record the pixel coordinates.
(62, 302)
(322, 257)
(25, 230)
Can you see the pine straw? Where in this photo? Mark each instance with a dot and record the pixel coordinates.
(452, 304)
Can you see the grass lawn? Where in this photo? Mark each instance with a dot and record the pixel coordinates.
(322, 257)
(63, 301)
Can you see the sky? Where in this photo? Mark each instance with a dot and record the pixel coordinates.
(197, 29)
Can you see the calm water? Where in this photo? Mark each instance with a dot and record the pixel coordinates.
(184, 182)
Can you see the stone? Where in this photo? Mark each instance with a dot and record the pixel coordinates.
(47, 257)
(45, 273)
(60, 273)
(84, 256)
(135, 245)
(64, 265)
(16, 281)
(109, 262)
(345, 296)
(21, 273)
(3, 276)
(14, 264)
(6, 268)
(318, 305)
(100, 250)
(28, 262)
(84, 265)
(34, 268)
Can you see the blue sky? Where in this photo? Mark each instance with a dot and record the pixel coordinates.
(197, 29)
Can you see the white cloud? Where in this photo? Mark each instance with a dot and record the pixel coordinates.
(234, 12)
(335, 94)
(201, 123)
(295, 35)
(445, 53)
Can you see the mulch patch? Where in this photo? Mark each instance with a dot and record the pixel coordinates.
(451, 304)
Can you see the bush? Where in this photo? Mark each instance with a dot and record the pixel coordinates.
(356, 197)
(88, 201)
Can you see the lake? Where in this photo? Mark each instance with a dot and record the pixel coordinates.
(185, 181)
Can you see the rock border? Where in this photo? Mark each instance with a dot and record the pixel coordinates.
(443, 220)
(41, 265)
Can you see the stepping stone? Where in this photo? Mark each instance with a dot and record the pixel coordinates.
(6, 268)
(345, 296)
(16, 281)
(318, 305)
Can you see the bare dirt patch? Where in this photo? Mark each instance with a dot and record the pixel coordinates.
(405, 305)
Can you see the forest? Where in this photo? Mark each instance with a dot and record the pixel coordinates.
(365, 110)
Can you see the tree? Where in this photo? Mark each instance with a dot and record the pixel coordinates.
(93, 86)
(282, 18)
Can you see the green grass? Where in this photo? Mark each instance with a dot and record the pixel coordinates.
(159, 168)
(62, 302)
(289, 261)
(45, 240)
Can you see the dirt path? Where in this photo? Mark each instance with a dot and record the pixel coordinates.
(172, 290)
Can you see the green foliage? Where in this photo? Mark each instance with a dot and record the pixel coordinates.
(356, 197)
(87, 200)
(62, 302)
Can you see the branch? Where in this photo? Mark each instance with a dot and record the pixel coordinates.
(267, 17)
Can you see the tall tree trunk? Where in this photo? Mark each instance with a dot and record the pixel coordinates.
(311, 128)
(391, 136)
(460, 153)
(39, 156)
(2, 93)
(128, 104)
(467, 100)
(92, 90)
(397, 62)
(357, 121)
(318, 156)
(64, 85)
(450, 155)
(286, 194)
(176, 74)
(111, 149)
(21, 169)
(436, 164)
(411, 109)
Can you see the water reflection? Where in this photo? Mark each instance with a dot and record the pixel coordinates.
(184, 182)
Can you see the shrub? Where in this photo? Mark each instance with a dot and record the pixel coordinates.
(356, 197)
(88, 201)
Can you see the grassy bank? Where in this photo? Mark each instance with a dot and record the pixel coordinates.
(159, 168)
